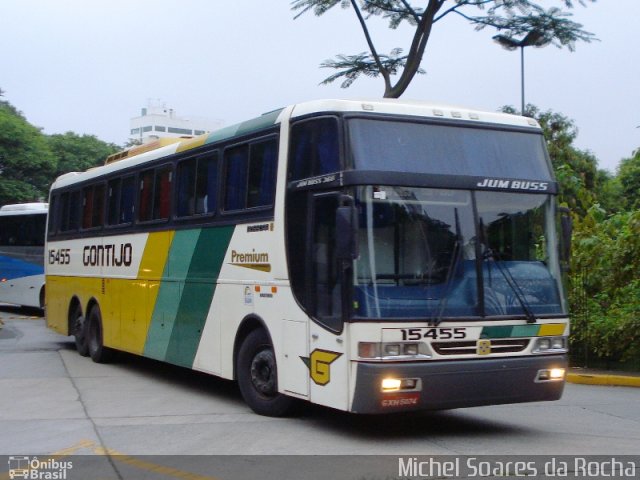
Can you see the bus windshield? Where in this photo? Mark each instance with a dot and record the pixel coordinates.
(413, 147)
(422, 249)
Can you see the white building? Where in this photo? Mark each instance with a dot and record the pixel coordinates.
(156, 120)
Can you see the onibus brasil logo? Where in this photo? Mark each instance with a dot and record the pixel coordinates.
(32, 468)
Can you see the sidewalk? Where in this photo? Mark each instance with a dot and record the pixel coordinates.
(603, 377)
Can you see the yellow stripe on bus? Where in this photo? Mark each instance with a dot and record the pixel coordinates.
(551, 329)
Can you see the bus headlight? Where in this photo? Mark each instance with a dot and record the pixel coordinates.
(393, 351)
(550, 375)
(550, 345)
(400, 384)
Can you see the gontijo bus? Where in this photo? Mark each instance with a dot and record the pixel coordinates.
(372, 257)
(22, 229)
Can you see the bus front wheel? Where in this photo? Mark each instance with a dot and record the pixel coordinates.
(258, 376)
(80, 331)
(99, 353)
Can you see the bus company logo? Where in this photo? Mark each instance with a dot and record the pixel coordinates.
(253, 260)
(107, 255)
(319, 365)
(513, 184)
(32, 468)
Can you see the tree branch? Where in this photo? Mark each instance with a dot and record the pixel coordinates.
(416, 51)
(372, 48)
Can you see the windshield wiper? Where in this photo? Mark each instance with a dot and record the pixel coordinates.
(513, 284)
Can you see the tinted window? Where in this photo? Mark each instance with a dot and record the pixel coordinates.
(262, 173)
(197, 186)
(127, 200)
(250, 175)
(442, 149)
(315, 148)
(22, 230)
(146, 196)
(237, 165)
(92, 206)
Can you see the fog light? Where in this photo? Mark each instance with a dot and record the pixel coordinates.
(550, 375)
(408, 383)
(392, 349)
(410, 349)
(391, 384)
(544, 344)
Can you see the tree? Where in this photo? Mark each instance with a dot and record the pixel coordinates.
(576, 171)
(512, 18)
(77, 153)
(629, 178)
(26, 162)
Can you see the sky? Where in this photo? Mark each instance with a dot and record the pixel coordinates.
(88, 66)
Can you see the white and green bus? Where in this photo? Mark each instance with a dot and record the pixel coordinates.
(373, 257)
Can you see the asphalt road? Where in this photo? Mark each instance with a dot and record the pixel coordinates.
(54, 402)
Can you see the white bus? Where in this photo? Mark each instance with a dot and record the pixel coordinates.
(22, 230)
(376, 256)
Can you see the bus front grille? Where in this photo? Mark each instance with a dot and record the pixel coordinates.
(471, 348)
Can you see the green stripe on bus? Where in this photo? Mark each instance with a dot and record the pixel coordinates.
(510, 331)
(166, 307)
(264, 121)
(197, 294)
(496, 332)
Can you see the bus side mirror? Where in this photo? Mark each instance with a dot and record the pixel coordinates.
(566, 227)
(346, 231)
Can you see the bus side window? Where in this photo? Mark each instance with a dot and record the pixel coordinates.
(97, 217)
(127, 199)
(113, 196)
(162, 193)
(315, 148)
(87, 206)
(145, 196)
(207, 184)
(262, 173)
(236, 166)
(74, 211)
(185, 203)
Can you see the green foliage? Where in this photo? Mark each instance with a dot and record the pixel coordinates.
(576, 171)
(629, 178)
(77, 153)
(26, 162)
(30, 160)
(510, 18)
(605, 279)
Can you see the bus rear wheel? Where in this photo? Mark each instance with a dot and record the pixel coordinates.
(257, 374)
(99, 353)
(79, 326)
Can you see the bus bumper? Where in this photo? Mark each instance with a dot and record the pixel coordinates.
(457, 384)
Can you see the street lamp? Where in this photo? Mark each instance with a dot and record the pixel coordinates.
(534, 38)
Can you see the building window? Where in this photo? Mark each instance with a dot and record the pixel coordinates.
(181, 131)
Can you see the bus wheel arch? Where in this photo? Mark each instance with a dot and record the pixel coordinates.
(41, 298)
(255, 369)
(95, 338)
(78, 326)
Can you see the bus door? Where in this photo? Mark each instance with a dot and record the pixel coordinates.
(327, 275)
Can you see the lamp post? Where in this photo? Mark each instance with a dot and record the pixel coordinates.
(534, 38)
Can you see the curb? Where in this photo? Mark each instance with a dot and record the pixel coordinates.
(603, 379)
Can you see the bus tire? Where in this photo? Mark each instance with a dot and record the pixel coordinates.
(79, 326)
(98, 352)
(257, 375)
